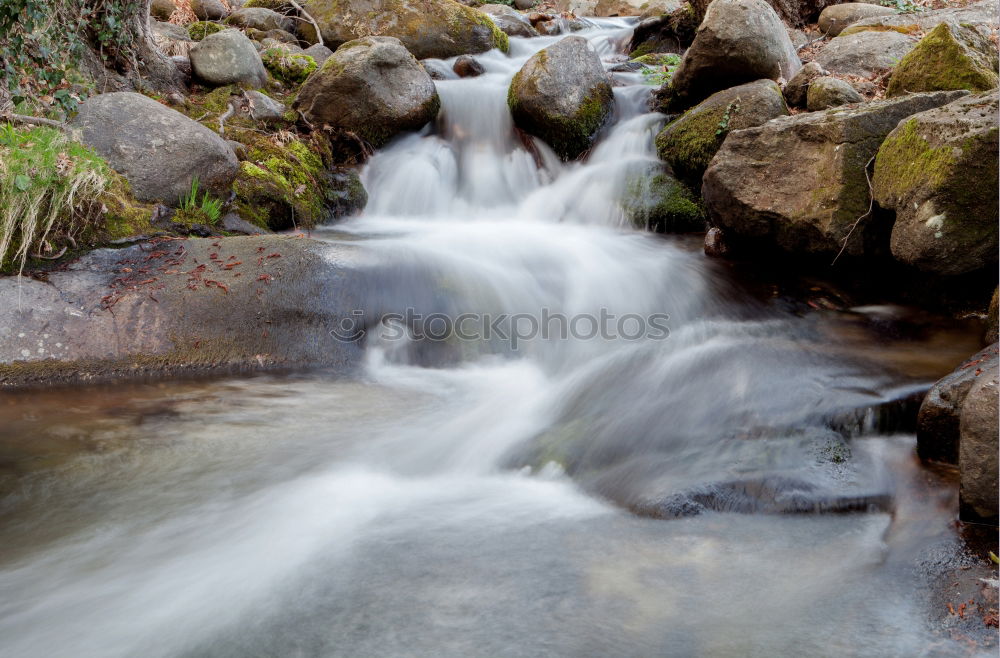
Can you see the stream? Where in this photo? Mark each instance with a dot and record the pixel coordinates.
(743, 484)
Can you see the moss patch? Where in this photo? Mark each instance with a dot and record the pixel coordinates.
(288, 67)
(663, 204)
(942, 62)
(908, 30)
(202, 29)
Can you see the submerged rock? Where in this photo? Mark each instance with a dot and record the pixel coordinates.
(427, 28)
(226, 58)
(826, 92)
(799, 183)
(177, 307)
(661, 203)
(372, 87)
(938, 171)
(562, 96)
(950, 57)
(739, 41)
(689, 143)
(159, 150)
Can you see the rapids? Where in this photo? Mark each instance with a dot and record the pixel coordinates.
(472, 497)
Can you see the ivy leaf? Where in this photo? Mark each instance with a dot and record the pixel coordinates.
(22, 182)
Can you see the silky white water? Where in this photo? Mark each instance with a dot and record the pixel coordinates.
(466, 498)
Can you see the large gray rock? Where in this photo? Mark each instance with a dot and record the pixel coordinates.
(172, 309)
(510, 22)
(938, 171)
(799, 182)
(689, 143)
(938, 428)
(826, 92)
(428, 28)
(373, 87)
(949, 57)
(982, 16)
(864, 53)
(739, 41)
(226, 58)
(562, 96)
(977, 464)
(262, 19)
(833, 19)
(209, 10)
(797, 89)
(319, 53)
(159, 150)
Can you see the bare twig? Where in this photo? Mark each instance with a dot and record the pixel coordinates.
(56, 256)
(871, 206)
(319, 35)
(33, 121)
(230, 111)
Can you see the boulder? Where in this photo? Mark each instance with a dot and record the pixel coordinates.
(467, 67)
(226, 58)
(938, 427)
(833, 19)
(209, 10)
(739, 41)
(978, 448)
(938, 171)
(288, 66)
(319, 53)
(796, 13)
(161, 10)
(159, 150)
(981, 16)
(259, 18)
(562, 96)
(864, 53)
(373, 87)
(799, 183)
(949, 57)
(163, 30)
(689, 143)
(659, 202)
(265, 108)
(797, 88)
(664, 33)
(427, 28)
(826, 92)
(510, 22)
(169, 319)
(525, 4)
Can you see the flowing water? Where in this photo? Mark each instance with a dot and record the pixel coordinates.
(667, 494)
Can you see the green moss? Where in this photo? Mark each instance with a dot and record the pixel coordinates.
(280, 6)
(286, 66)
(941, 63)
(201, 29)
(906, 160)
(690, 142)
(500, 39)
(663, 204)
(658, 59)
(908, 30)
(642, 50)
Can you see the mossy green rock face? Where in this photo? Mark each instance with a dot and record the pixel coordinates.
(689, 143)
(287, 66)
(661, 203)
(562, 96)
(428, 28)
(201, 29)
(938, 170)
(949, 57)
(371, 87)
(798, 183)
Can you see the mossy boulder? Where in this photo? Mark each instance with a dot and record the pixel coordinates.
(286, 66)
(427, 28)
(371, 87)
(938, 171)
(799, 183)
(201, 29)
(689, 143)
(739, 41)
(284, 184)
(661, 203)
(833, 19)
(949, 57)
(563, 96)
(510, 21)
(280, 6)
(981, 16)
(826, 92)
